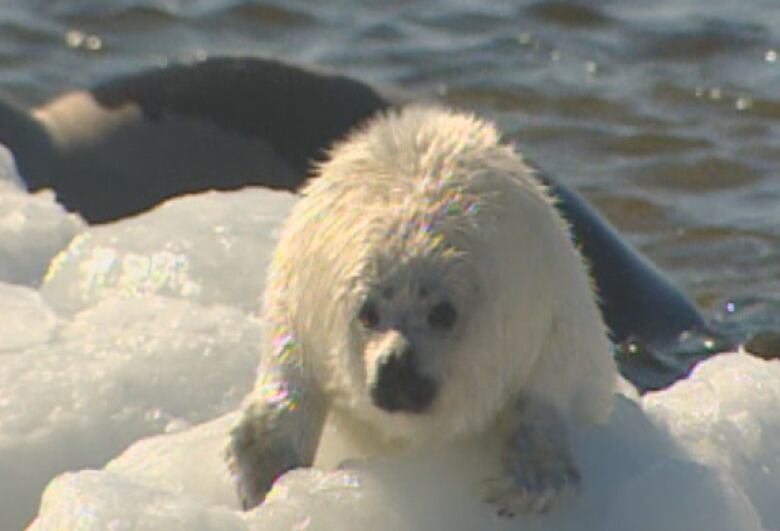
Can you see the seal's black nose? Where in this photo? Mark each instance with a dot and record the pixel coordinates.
(398, 386)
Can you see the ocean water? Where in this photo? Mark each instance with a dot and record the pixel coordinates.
(664, 113)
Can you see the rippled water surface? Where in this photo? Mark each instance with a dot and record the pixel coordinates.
(664, 113)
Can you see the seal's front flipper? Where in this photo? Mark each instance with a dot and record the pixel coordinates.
(538, 470)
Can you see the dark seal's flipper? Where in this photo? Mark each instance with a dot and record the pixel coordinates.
(224, 123)
(637, 300)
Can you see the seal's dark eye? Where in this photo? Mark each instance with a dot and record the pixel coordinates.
(443, 315)
(369, 315)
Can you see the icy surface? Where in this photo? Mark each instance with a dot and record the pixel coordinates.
(209, 248)
(33, 228)
(728, 416)
(122, 374)
(8, 170)
(118, 371)
(27, 319)
(637, 476)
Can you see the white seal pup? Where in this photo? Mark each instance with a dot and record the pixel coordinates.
(426, 289)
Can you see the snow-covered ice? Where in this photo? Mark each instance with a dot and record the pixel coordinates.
(33, 228)
(639, 474)
(126, 349)
(210, 248)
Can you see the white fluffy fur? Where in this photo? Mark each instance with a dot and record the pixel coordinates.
(422, 198)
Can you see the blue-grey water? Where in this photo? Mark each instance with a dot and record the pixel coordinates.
(664, 113)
